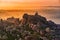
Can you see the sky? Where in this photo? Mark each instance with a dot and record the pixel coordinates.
(27, 4)
(50, 8)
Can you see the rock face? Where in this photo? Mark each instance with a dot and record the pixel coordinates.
(13, 20)
(37, 20)
(52, 24)
(34, 18)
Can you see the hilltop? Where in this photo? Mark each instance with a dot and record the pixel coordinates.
(30, 27)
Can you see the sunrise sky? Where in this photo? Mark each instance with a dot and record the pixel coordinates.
(27, 4)
(53, 15)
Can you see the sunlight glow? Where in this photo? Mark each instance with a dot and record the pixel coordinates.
(27, 4)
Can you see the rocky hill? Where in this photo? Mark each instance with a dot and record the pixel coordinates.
(30, 27)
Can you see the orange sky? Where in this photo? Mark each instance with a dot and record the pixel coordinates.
(27, 4)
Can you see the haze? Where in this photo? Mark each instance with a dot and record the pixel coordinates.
(27, 4)
(31, 5)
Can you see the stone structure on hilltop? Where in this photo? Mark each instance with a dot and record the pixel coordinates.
(34, 19)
